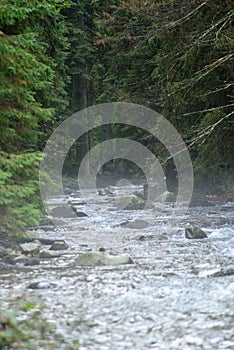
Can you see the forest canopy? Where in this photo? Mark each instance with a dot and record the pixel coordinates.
(58, 57)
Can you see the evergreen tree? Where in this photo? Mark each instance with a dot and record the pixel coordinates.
(32, 84)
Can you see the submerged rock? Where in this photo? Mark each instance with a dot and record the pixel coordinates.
(193, 232)
(101, 258)
(48, 254)
(79, 214)
(31, 262)
(135, 224)
(145, 237)
(225, 271)
(200, 202)
(41, 285)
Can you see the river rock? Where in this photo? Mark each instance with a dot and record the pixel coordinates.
(193, 232)
(46, 241)
(145, 237)
(32, 248)
(62, 211)
(102, 249)
(135, 224)
(131, 202)
(48, 254)
(20, 259)
(105, 192)
(80, 214)
(32, 262)
(3, 252)
(101, 258)
(41, 285)
(59, 245)
(225, 271)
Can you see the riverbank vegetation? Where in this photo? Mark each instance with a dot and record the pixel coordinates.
(24, 326)
(58, 57)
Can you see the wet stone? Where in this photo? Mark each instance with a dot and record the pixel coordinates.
(145, 237)
(68, 211)
(30, 248)
(102, 249)
(3, 252)
(48, 254)
(62, 211)
(201, 202)
(136, 224)
(32, 262)
(80, 214)
(46, 241)
(41, 285)
(21, 259)
(225, 271)
(59, 245)
(131, 202)
(101, 258)
(193, 232)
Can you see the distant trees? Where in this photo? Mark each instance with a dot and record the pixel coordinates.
(177, 58)
(58, 57)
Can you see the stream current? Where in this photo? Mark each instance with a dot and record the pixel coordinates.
(165, 300)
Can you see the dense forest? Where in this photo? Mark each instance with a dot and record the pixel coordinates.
(58, 57)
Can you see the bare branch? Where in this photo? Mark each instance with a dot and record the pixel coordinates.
(6, 37)
(207, 110)
(178, 22)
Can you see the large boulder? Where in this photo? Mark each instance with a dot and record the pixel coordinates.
(193, 232)
(63, 211)
(101, 258)
(32, 248)
(130, 202)
(59, 245)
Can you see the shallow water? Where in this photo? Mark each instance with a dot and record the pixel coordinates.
(166, 300)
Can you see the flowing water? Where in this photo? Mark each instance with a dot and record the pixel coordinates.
(165, 300)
